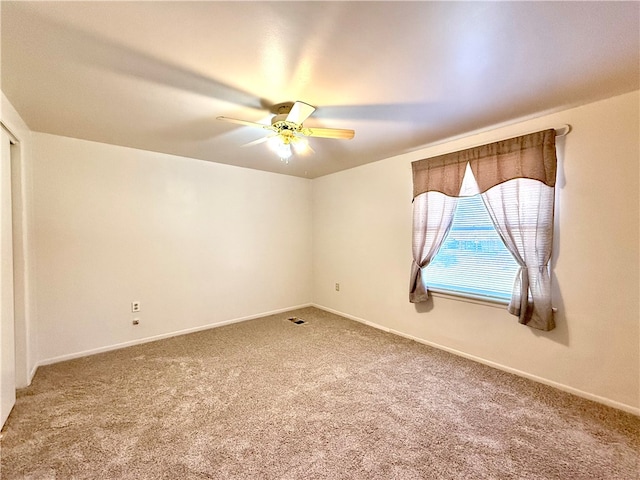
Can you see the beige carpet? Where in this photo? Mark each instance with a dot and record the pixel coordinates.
(327, 399)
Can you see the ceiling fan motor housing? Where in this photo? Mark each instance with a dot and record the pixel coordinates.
(282, 108)
(281, 118)
(280, 123)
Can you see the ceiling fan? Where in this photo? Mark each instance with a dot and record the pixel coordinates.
(288, 128)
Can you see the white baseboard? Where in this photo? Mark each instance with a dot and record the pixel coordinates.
(108, 348)
(535, 378)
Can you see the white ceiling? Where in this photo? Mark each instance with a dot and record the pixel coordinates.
(155, 75)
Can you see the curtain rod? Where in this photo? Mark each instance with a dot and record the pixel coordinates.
(563, 131)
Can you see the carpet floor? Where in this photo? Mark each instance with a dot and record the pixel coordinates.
(326, 399)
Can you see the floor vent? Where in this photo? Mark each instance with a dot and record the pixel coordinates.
(296, 320)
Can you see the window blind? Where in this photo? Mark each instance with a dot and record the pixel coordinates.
(473, 258)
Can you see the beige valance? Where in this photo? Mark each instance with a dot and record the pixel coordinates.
(528, 156)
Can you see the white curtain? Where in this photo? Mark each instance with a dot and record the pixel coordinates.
(432, 219)
(522, 213)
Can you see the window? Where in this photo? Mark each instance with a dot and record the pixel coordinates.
(473, 260)
(516, 181)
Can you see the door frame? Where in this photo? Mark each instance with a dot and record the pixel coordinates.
(20, 259)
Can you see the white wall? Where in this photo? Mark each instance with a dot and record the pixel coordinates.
(362, 239)
(197, 243)
(25, 341)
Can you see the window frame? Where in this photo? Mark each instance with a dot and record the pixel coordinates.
(468, 298)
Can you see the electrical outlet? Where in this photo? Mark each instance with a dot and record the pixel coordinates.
(136, 321)
(135, 307)
(337, 287)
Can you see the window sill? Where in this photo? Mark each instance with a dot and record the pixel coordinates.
(469, 298)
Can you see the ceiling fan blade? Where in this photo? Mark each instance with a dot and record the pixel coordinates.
(398, 112)
(328, 133)
(259, 141)
(300, 112)
(245, 122)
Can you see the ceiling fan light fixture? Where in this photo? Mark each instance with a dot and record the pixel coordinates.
(281, 147)
(300, 145)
